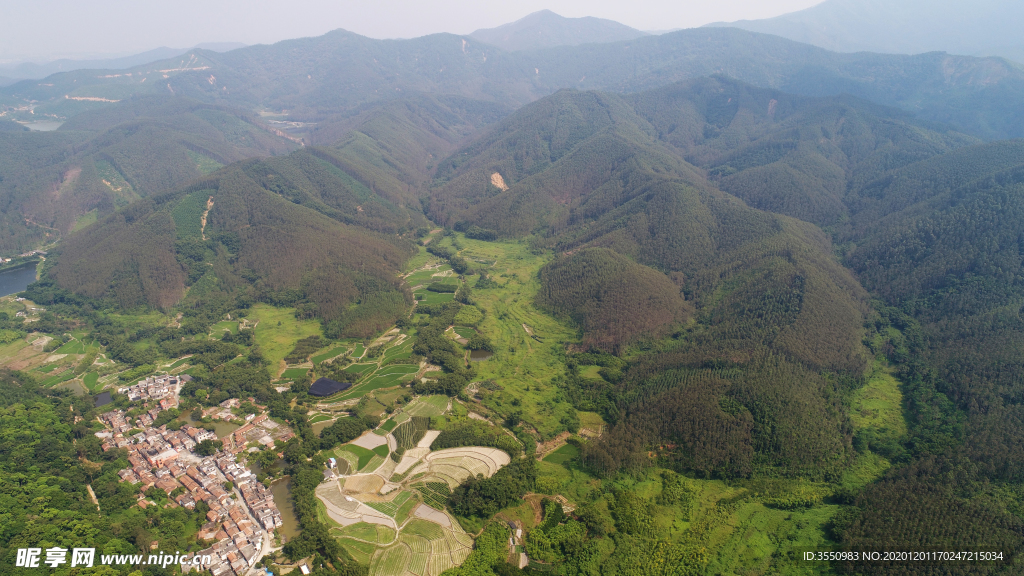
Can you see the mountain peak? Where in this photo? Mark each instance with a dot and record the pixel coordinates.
(546, 29)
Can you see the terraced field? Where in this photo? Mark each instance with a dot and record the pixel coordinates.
(332, 353)
(391, 508)
(294, 373)
(427, 406)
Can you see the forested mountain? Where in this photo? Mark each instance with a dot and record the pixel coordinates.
(394, 146)
(341, 71)
(929, 220)
(986, 28)
(611, 298)
(293, 231)
(106, 158)
(953, 261)
(589, 175)
(545, 29)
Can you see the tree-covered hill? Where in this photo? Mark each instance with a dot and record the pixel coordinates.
(799, 156)
(954, 263)
(107, 158)
(292, 231)
(341, 71)
(613, 299)
(394, 146)
(589, 176)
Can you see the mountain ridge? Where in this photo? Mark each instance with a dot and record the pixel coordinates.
(545, 29)
(987, 28)
(341, 71)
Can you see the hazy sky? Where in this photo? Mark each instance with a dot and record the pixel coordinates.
(48, 29)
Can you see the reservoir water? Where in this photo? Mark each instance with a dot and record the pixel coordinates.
(103, 399)
(283, 498)
(17, 279)
(480, 355)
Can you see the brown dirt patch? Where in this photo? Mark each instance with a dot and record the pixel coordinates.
(367, 484)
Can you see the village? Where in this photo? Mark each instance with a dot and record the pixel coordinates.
(242, 516)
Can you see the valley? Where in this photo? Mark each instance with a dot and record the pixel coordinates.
(601, 303)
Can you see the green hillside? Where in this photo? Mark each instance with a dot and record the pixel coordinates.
(271, 234)
(105, 159)
(613, 299)
(636, 223)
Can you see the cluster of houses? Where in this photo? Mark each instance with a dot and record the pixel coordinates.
(160, 457)
(238, 535)
(164, 458)
(154, 388)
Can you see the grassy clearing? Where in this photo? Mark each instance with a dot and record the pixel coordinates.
(879, 404)
(385, 534)
(358, 351)
(427, 297)
(91, 381)
(563, 454)
(220, 327)
(361, 368)
(178, 363)
(319, 418)
(391, 562)
(329, 354)
(85, 220)
(294, 373)
(72, 347)
(465, 331)
(405, 510)
(419, 260)
(278, 331)
(427, 406)
(403, 350)
(362, 455)
(389, 425)
(204, 164)
(58, 379)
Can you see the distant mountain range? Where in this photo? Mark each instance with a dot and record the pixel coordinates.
(32, 71)
(981, 28)
(341, 71)
(545, 29)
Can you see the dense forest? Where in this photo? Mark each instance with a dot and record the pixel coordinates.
(270, 231)
(613, 299)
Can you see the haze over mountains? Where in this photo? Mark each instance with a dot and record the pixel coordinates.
(546, 29)
(10, 74)
(340, 71)
(982, 28)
